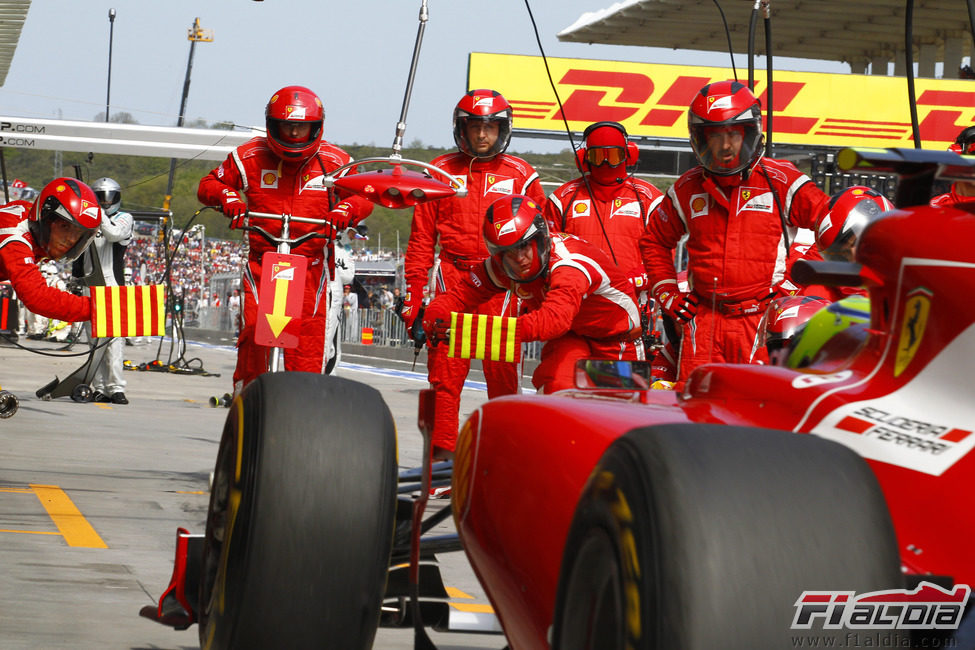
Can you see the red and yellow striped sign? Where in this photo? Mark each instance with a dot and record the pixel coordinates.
(480, 336)
(128, 311)
(367, 336)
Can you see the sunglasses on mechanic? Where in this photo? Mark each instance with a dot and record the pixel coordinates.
(613, 156)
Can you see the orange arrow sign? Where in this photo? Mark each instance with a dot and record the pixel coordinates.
(280, 300)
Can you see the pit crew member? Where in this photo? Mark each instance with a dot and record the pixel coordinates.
(103, 264)
(573, 296)
(59, 225)
(482, 130)
(284, 173)
(740, 211)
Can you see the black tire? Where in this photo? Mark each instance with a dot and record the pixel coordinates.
(301, 561)
(704, 536)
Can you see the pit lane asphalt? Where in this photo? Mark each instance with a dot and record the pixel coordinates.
(77, 578)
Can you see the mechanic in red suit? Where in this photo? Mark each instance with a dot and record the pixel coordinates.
(482, 130)
(740, 211)
(573, 296)
(59, 225)
(284, 173)
(961, 191)
(607, 206)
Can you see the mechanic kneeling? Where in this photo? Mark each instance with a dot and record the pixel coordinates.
(572, 295)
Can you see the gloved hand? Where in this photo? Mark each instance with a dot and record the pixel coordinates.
(680, 306)
(340, 217)
(436, 323)
(233, 207)
(437, 330)
(412, 306)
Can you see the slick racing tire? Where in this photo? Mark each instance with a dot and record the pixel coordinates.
(699, 536)
(300, 523)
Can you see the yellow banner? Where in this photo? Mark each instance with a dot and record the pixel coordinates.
(811, 108)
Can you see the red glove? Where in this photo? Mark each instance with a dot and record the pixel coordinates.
(339, 218)
(233, 207)
(436, 324)
(680, 306)
(412, 305)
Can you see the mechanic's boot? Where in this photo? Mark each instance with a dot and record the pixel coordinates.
(118, 398)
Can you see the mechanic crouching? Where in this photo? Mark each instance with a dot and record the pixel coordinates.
(572, 295)
(59, 225)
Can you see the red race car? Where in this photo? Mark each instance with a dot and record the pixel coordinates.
(615, 516)
(628, 518)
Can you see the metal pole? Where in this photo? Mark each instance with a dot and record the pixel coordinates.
(197, 33)
(401, 125)
(179, 122)
(111, 34)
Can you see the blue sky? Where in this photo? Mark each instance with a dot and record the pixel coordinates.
(355, 55)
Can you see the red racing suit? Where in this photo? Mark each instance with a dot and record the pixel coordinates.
(455, 224)
(583, 308)
(736, 250)
(274, 186)
(18, 263)
(623, 211)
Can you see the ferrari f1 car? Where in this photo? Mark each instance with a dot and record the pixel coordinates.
(613, 516)
(701, 520)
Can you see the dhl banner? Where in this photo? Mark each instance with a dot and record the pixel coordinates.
(811, 108)
(480, 336)
(128, 311)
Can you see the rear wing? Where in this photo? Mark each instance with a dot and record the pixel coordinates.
(917, 169)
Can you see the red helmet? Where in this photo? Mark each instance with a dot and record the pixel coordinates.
(71, 207)
(486, 106)
(849, 212)
(965, 142)
(785, 319)
(514, 222)
(287, 106)
(726, 105)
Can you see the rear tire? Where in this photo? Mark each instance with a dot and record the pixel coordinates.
(301, 515)
(704, 536)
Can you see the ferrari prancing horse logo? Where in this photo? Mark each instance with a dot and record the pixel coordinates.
(915, 319)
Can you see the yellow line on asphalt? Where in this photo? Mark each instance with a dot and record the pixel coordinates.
(17, 490)
(29, 532)
(471, 607)
(73, 526)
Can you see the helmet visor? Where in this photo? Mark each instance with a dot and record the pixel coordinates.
(108, 198)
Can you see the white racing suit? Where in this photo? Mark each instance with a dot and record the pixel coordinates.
(103, 263)
(344, 274)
